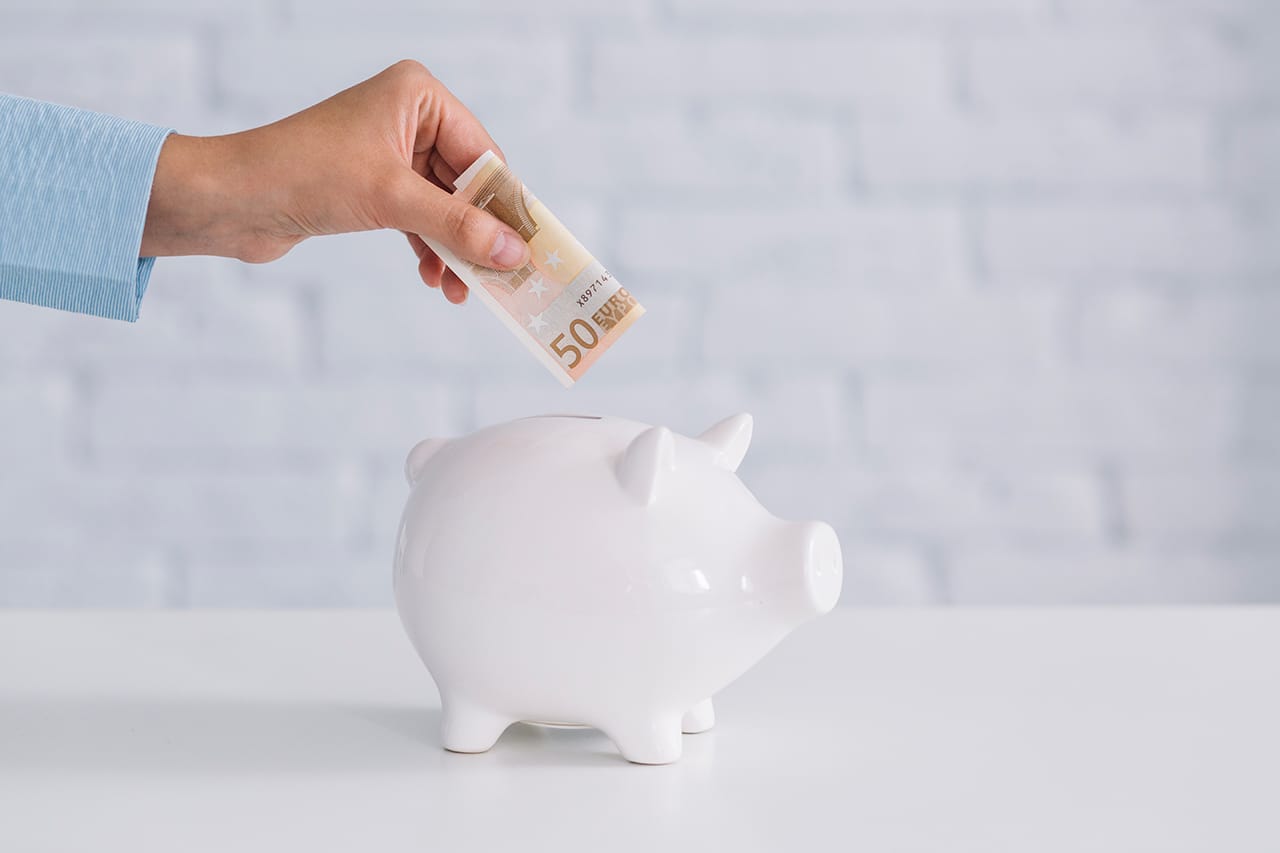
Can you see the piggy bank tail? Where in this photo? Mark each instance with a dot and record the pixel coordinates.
(417, 459)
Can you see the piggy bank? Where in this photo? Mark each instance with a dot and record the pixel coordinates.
(574, 570)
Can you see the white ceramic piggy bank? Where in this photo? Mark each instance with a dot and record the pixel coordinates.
(600, 572)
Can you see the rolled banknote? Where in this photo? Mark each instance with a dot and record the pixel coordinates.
(564, 305)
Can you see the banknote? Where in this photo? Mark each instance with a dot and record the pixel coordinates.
(564, 305)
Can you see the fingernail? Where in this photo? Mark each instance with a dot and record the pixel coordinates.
(508, 250)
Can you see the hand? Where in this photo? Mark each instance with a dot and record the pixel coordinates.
(382, 154)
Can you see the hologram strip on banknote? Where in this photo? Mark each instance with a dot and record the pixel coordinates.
(563, 304)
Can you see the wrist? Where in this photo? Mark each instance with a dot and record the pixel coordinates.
(204, 201)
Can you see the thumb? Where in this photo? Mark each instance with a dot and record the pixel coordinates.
(420, 207)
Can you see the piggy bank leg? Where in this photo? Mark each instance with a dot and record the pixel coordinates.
(465, 727)
(654, 739)
(699, 718)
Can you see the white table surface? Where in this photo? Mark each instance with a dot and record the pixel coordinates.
(903, 730)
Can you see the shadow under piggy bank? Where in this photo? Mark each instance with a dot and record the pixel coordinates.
(91, 735)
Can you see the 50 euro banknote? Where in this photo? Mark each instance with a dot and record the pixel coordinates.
(564, 305)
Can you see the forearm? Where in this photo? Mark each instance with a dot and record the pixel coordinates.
(210, 197)
(88, 201)
(74, 186)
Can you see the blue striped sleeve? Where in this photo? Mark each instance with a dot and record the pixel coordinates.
(74, 187)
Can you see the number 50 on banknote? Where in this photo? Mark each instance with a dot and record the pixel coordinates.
(563, 304)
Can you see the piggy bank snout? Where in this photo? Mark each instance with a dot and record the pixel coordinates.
(822, 565)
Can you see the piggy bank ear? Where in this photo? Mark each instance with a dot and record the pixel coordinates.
(729, 439)
(649, 458)
(422, 451)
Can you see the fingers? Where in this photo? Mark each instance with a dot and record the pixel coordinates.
(419, 207)
(454, 289)
(415, 243)
(435, 274)
(459, 136)
(431, 269)
(449, 139)
(440, 172)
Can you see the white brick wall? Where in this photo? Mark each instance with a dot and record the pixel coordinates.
(116, 73)
(1195, 240)
(997, 279)
(1130, 65)
(886, 72)
(841, 244)
(1001, 153)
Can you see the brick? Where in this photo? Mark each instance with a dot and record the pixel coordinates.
(411, 331)
(388, 495)
(1042, 416)
(225, 325)
(820, 12)
(267, 420)
(1202, 330)
(288, 576)
(937, 503)
(1073, 152)
(153, 80)
(1205, 239)
(801, 414)
(1255, 408)
(667, 158)
(843, 243)
(151, 16)
(501, 16)
(808, 489)
(1203, 504)
(1250, 160)
(38, 424)
(959, 505)
(490, 74)
(685, 405)
(883, 73)
(59, 574)
(196, 317)
(1173, 67)
(1098, 575)
(836, 325)
(135, 505)
(877, 574)
(1164, 11)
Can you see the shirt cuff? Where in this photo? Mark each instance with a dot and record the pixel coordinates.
(74, 190)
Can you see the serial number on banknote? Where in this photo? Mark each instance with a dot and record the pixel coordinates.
(593, 289)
